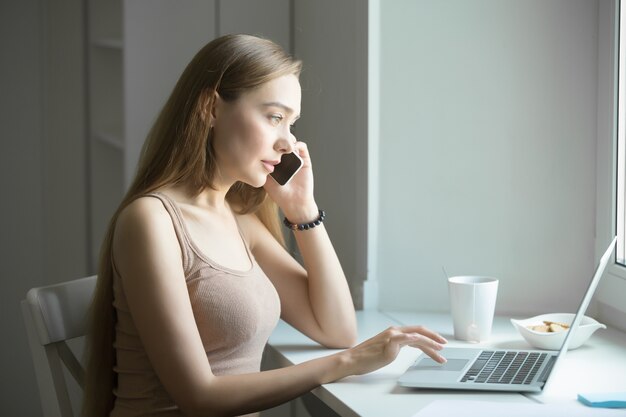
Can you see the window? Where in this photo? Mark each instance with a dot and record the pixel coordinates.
(621, 144)
(621, 173)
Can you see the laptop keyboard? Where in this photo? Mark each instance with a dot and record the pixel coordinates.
(503, 367)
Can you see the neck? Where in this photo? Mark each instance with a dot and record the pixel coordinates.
(212, 199)
(209, 198)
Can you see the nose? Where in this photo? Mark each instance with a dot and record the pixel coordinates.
(286, 143)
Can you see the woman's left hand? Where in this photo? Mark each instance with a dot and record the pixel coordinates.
(296, 198)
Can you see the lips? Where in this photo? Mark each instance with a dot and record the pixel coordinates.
(269, 165)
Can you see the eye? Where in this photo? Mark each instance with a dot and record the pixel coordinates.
(276, 119)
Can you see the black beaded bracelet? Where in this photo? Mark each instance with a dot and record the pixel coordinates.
(306, 226)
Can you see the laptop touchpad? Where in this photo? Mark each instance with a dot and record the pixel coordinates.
(427, 364)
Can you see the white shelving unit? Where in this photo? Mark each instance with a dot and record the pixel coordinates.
(137, 50)
(106, 115)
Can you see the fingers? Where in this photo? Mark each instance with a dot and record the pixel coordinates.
(426, 345)
(419, 337)
(426, 332)
(383, 348)
(271, 184)
(431, 348)
(434, 355)
(302, 149)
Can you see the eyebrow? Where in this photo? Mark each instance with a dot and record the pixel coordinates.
(282, 106)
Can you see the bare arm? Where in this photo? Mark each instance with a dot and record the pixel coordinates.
(238, 394)
(328, 289)
(148, 258)
(315, 299)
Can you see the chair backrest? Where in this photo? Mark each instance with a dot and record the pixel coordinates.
(54, 314)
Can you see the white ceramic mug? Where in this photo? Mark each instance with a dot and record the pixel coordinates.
(472, 303)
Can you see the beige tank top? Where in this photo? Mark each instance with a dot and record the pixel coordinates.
(235, 312)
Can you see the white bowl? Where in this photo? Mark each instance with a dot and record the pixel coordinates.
(553, 341)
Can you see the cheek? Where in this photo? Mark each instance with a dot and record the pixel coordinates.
(252, 134)
(242, 133)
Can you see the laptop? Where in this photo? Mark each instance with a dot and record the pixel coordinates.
(498, 369)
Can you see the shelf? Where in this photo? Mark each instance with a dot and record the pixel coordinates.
(106, 115)
(110, 43)
(107, 118)
(114, 140)
(105, 19)
(106, 191)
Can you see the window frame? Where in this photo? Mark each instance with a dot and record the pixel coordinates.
(618, 266)
(611, 293)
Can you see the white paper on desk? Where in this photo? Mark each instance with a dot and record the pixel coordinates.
(465, 408)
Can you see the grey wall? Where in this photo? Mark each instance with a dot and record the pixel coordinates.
(49, 187)
(160, 38)
(331, 39)
(22, 221)
(487, 150)
(41, 173)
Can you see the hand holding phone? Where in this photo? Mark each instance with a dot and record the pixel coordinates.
(290, 164)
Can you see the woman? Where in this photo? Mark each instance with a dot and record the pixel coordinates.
(193, 274)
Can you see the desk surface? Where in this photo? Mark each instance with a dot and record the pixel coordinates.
(602, 360)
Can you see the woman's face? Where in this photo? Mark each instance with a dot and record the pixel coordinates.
(252, 132)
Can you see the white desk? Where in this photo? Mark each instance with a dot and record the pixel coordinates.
(602, 358)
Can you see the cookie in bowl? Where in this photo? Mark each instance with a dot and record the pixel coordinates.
(548, 331)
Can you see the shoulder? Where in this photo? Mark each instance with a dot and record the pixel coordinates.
(143, 221)
(142, 212)
(145, 247)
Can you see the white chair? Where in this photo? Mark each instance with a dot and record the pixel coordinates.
(53, 315)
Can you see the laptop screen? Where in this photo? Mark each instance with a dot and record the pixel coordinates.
(587, 297)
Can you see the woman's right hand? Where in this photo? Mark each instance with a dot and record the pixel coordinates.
(383, 348)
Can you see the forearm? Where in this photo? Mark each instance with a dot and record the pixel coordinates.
(329, 293)
(241, 394)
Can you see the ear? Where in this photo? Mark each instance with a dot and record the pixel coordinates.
(209, 100)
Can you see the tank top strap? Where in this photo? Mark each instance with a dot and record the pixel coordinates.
(179, 228)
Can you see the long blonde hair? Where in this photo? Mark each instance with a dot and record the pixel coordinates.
(179, 150)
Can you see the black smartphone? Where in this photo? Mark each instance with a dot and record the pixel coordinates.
(290, 163)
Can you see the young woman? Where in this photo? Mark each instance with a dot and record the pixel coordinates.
(193, 273)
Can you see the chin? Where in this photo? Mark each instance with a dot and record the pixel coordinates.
(257, 182)
(263, 181)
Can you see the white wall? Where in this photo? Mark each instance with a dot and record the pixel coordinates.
(487, 150)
